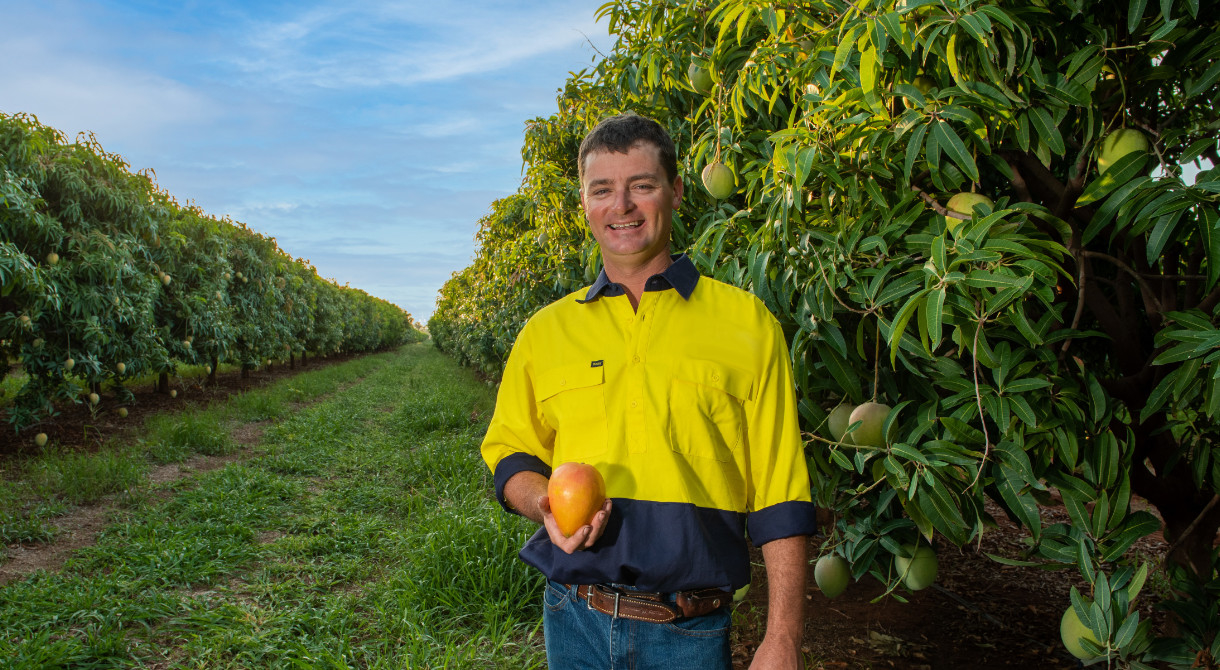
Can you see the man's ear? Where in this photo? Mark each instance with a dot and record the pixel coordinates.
(677, 192)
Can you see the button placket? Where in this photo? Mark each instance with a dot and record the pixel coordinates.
(637, 415)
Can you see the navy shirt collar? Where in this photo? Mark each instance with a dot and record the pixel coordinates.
(681, 276)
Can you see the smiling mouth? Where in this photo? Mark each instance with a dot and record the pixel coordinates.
(626, 226)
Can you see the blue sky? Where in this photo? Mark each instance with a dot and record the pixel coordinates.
(366, 136)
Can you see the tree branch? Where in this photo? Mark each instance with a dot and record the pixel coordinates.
(1018, 180)
(1071, 192)
(1145, 287)
(939, 208)
(1081, 282)
(1209, 303)
(1177, 541)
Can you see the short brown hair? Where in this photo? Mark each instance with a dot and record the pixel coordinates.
(619, 133)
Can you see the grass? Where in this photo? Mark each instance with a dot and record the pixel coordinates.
(359, 533)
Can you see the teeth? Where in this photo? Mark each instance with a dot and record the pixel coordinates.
(625, 226)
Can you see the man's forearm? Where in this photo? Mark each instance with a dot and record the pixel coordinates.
(786, 563)
(523, 491)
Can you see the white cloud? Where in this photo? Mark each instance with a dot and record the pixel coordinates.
(73, 93)
(370, 136)
(406, 44)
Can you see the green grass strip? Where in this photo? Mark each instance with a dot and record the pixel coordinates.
(362, 534)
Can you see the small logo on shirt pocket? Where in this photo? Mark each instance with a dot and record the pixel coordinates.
(597, 364)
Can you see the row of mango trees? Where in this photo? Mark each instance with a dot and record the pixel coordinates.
(104, 276)
(1053, 338)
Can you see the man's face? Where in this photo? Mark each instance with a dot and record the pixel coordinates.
(629, 204)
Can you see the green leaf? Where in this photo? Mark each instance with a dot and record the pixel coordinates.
(998, 14)
(956, 149)
(914, 147)
(908, 452)
(951, 58)
(1015, 458)
(939, 259)
(1202, 84)
(1105, 214)
(1137, 582)
(985, 279)
(1126, 632)
(1097, 398)
(1210, 236)
(1047, 130)
(1121, 172)
(846, 44)
(1140, 524)
(1023, 411)
(978, 27)
(1195, 150)
(1023, 506)
(1135, 14)
(868, 78)
(933, 314)
(1026, 384)
(1075, 505)
(900, 322)
(1162, 232)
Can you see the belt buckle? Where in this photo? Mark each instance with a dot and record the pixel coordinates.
(617, 595)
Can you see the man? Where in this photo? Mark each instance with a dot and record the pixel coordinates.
(678, 389)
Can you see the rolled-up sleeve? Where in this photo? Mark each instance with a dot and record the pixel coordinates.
(779, 502)
(518, 439)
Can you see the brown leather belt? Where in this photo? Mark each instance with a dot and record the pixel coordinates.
(652, 607)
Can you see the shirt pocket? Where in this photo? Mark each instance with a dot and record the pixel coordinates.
(573, 402)
(706, 409)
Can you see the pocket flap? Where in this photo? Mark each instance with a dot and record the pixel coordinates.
(732, 381)
(568, 377)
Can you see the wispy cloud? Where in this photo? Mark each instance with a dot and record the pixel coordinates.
(368, 137)
(121, 103)
(404, 44)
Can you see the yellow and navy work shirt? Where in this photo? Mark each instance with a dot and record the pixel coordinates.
(687, 408)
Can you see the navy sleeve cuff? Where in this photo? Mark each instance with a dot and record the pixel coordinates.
(511, 465)
(786, 519)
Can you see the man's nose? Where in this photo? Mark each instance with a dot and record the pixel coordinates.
(622, 201)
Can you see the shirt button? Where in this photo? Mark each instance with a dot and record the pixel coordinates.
(563, 382)
(715, 376)
(635, 360)
(634, 404)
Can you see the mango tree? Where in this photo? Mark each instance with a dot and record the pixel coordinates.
(1049, 334)
(104, 276)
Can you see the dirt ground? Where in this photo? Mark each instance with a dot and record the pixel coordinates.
(76, 427)
(978, 614)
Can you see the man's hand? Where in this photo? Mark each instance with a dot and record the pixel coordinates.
(774, 654)
(584, 537)
(526, 492)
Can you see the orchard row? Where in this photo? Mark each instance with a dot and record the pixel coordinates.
(105, 276)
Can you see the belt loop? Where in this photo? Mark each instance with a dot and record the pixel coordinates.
(616, 597)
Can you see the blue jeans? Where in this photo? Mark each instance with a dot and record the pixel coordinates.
(579, 637)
